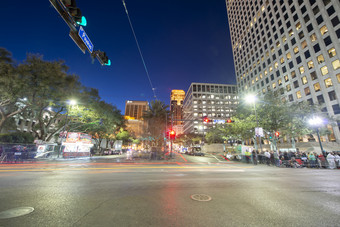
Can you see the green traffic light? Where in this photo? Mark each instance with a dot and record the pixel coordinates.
(108, 62)
(83, 21)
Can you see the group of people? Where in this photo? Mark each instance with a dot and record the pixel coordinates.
(293, 159)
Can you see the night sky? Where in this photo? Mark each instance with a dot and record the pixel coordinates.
(183, 41)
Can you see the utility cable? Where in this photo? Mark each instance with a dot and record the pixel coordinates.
(140, 52)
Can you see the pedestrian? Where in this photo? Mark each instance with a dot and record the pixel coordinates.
(304, 159)
(267, 156)
(331, 160)
(247, 155)
(312, 159)
(322, 161)
(254, 155)
(337, 160)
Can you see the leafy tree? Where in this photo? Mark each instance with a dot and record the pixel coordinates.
(156, 117)
(12, 86)
(51, 87)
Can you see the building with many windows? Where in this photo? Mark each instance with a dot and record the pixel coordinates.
(291, 47)
(218, 102)
(136, 109)
(176, 106)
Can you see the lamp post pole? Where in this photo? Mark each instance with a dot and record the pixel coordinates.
(318, 134)
(257, 124)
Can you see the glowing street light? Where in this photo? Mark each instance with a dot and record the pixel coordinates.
(317, 122)
(251, 99)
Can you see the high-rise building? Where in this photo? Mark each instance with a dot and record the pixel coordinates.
(176, 106)
(136, 109)
(218, 102)
(291, 47)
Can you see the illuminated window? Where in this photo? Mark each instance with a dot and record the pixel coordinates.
(313, 37)
(270, 68)
(296, 50)
(277, 44)
(324, 70)
(304, 44)
(267, 54)
(252, 82)
(284, 38)
(317, 87)
(291, 32)
(262, 58)
(293, 74)
(286, 78)
(256, 79)
(272, 49)
(279, 82)
(331, 52)
(265, 72)
(274, 85)
(263, 90)
(282, 60)
(321, 59)
(276, 65)
(338, 77)
(289, 56)
(336, 64)
(298, 26)
(301, 69)
(304, 80)
(310, 64)
(328, 82)
(261, 76)
(288, 88)
(262, 8)
(323, 30)
(298, 95)
(307, 91)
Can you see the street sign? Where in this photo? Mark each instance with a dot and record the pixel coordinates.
(82, 34)
(259, 132)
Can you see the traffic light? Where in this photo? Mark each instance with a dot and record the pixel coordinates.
(229, 121)
(277, 134)
(172, 134)
(102, 58)
(75, 12)
(206, 119)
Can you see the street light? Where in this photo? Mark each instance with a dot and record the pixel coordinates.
(317, 122)
(251, 98)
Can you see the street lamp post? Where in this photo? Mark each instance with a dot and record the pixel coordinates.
(317, 121)
(252, 99)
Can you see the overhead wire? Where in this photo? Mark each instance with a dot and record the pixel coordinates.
(139, 49)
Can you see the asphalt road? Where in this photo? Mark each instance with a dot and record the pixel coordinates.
(115, 192)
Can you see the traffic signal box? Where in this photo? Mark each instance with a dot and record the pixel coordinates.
(171, 134)
(206, 119)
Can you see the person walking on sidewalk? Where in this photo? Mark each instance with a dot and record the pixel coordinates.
(254, 155)
(267, 156)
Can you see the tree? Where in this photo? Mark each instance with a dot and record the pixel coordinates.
(156, 117)
(12, 86)
(51, 87)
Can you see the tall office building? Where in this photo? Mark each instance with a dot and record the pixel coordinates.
(218, 102)
(176, 105)
(136, 109)
(291, 47)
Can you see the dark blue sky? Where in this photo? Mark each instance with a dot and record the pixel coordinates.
(183, 41)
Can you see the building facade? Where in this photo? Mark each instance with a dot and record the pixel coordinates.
(136, 109)
(291, 47)
(176, 106)
(218, 102)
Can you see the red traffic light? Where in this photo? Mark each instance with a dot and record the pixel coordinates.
(277, 134)
(171, 134)
(229, 121)
(206, 120)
